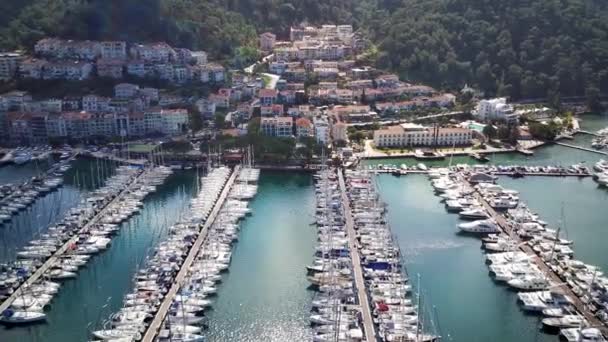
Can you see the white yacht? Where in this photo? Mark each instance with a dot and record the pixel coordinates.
(21, 317)
(476, 213)
(479, 227)
(529, 283)
(568, 321)
(582, 335)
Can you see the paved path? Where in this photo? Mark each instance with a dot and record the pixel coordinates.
(50, 262)
(157, 322)
(368, 323)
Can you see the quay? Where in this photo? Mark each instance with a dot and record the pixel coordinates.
(583, 148)
(159, 317)
(52, 260)
(401, 172)
(587, 132)
(368, 323)
(101, 155)
(558, 283)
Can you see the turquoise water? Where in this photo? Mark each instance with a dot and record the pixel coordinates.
(584, 205)
(264, 296)
(83, 303)
(16, 174)
(469, 306)
(50, 208)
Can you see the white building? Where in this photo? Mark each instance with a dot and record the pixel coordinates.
(409, 135)
(9, 64)
(125, 90)
(174, 121)
(495, 109)
(321, 125)
(114, 50)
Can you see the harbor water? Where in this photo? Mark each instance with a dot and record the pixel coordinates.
(264, 296)
(86, 301)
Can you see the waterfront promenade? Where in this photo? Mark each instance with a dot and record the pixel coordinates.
(368, 323)
(53, 259)
(155, 325)
(555, 280)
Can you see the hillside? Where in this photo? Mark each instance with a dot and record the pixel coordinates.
(519, 48)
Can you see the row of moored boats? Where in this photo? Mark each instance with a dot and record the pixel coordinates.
(336, 312)
(185, 318)
(85, 231)
(397, 317)
(518, 259)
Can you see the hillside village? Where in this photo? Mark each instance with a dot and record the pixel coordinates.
(309, 86)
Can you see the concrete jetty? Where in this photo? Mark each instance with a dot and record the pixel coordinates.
(368, 322)
(156, 324)
(586, 149)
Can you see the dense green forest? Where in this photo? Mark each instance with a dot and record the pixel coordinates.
(519, 48)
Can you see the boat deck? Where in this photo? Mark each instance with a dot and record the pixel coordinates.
(155, 325)
(547, 271)
(52, 260)
(368, 323)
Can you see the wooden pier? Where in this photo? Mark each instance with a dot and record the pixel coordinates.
(368, 322)
(556, 282)
(50, 262)
(156, 324)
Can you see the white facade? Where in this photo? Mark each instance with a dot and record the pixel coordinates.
(9, 64)
(495, 109)
(114, 50)
(125, 90)
(415, 135)
(321, 125)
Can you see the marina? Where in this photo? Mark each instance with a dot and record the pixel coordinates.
(424, 230)
(59, 253)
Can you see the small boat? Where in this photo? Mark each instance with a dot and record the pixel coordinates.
(582, 335)
(21, 317)
(479, 227)
(568, 321)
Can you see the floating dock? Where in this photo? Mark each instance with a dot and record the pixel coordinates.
(586, 149)
(53, 259)
(368, 322)
(550, 274)
(155, 325)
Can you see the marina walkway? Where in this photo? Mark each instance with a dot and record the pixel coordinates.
(155, 325)
(399, 172)
(583, 148)
(368, 322)
(51, 261)
(558, 283)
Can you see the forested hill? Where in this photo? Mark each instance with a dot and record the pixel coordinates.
(521, 48)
